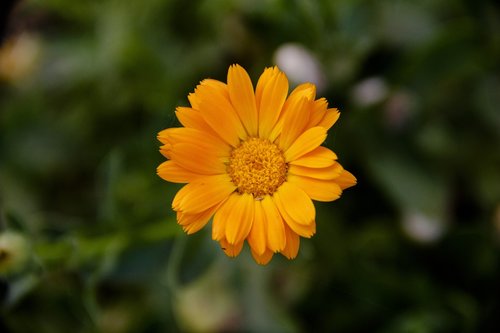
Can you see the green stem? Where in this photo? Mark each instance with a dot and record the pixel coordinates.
(83, 249)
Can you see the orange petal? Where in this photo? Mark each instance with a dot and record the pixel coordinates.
(191, 223)
(264, 258)
(346, 179)
(165, 150)
(296, 202)
(275, 228)
(307, 90)
(272, 92)
(194, 100)
(306, 142)
(292, 243)
(321, 157)
(300, 229)
(330, 172)
(192, 118)
(203, 193)
(220, 218)
(172, 172)
(243, 98)
(179, 197)
(318, 110)
(208, 142)
(163, 135)
(317, 189)
(294, 121)
(264, 79)
(257, 237)
(330, 118)
(240, 218)
(196, 159)
(217, 111)
(231, 250)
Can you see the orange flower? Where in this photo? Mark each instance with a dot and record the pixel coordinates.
(253, 161)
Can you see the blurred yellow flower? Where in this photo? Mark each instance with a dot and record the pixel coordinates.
(253, 161)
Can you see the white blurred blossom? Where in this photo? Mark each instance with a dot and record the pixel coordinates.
(422, 227)
(370, 91)
(299, 64)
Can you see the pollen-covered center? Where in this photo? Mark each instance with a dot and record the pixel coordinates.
(257, 166)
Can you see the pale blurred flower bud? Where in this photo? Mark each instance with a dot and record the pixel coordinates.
(299, 64)
(370, 91)
(14, 252)
(421, 227)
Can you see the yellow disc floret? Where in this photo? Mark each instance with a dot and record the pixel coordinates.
(258, 167)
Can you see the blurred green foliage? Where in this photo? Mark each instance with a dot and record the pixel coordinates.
(414, 247)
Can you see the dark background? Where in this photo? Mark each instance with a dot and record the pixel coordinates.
(86, 85)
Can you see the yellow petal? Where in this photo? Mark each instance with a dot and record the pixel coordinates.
(300, 229)
(208, 142)
(163, 135)
(330, 118)
(203, 193)
(231, 250)
(196, 159)
(243, 98)
(217, 111)
(292, 243)
(194, 100)
(330, 172)
(180, 196)
(295, 120)
(321, 157)
(191, 118)
(172, 172)
(191, 223)
(272, 91)
(257, 237)
(264, 79)
(165, 150)
(275, 228)
(276, 131)
(220, 218)
(240, 218)
(317, 189)
(264, 258)
(306, 142)
(221, 86)
(307, 90)
(296, 203)
(318, 110)
(346, 179)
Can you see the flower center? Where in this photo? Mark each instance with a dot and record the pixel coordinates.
(258, 167)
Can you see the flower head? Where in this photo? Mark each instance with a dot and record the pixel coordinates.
(253, 161)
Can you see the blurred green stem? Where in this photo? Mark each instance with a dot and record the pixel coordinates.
(78, 249)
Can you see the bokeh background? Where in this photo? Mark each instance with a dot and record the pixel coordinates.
(88, 240)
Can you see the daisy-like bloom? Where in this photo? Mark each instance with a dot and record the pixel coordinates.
(253, 161)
